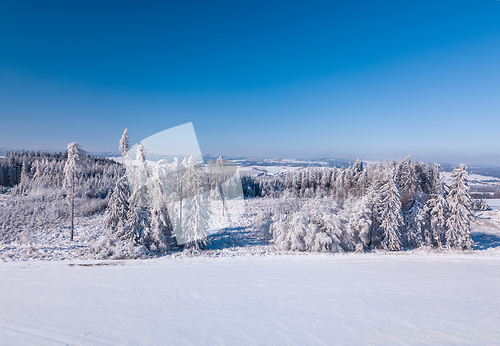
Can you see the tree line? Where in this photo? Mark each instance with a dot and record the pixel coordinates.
(392, 205)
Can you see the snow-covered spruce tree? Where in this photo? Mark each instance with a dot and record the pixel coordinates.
(325, 179)
(342, 184)
(480, 205)
(158, 235)
(124, 145)
(362, 183)
(390, 218)
(140, 175)
(74, 164)
(407, 180)
(158, 239)
(357, 217)
(177, 179)
(438, 208)
(374, 202)
(37, 171)
(25, 181)
(115, 217)
(356, 173)
(424, 176)
(139, 214)
(458, 232)
(416, 225)
(197, 206)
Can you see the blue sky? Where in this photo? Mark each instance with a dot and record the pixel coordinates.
(369, 79)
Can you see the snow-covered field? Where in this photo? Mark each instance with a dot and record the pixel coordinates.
(494, 203)
(475, 179)
(241, 291)
(278, 300)
(265, 170)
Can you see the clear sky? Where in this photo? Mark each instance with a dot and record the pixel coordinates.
(370, 79)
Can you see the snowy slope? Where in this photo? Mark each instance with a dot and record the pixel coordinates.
(474, 179)
(279, 300)
(265, 170)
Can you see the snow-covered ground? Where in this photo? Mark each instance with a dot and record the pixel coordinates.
(474, 179)
(241, 291)
(265, 170)
(234, 234)
(493, 203)
(53, 243)
(278, 300)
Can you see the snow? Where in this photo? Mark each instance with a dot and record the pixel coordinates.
(241, 290)
(265, 170)
(53, 243)
(493, 203)
(314, 299)
(474, 179)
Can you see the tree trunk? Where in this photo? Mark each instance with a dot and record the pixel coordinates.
(222, 191)
(72, 205)
(180, 204)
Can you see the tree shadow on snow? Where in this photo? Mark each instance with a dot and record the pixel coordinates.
(484, 241)
(232, 237)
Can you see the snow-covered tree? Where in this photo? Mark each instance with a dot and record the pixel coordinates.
(357, 216)
(139, 177)
(405, 175)
(438, 208)
(407, 180)
(159, 233)
(195, 225)
(74, 164)
(139, 222)
(342, 184)
(289, 232)
(25, 182)
(356, 173)
(390, 218)
(117, 211)
(458, 232)
(415, 218)
(124, 145)
(279, 230)
(328, 235)
(176, 197)
(326, 179)
(139, 213)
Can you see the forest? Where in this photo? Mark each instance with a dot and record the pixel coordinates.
(150, 209)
